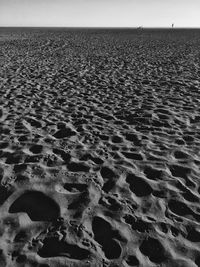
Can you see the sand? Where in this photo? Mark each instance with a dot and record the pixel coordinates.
(99, 147)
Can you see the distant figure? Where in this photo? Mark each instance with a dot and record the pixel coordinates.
(172, 25)
(140, 27)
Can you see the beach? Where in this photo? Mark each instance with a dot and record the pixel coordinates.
(99, 147)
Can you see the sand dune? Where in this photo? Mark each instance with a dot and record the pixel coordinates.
(99, 147)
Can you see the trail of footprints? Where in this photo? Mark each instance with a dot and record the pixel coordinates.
(97, 168)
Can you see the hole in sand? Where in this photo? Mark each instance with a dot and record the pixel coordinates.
(37, 205)
(153, 249)
(75, 187)
(77, 167)
(138, 186)
(104, 235)
(52, 247)
(36, 149)
(132, 260)
(63, 133)
(107, 173)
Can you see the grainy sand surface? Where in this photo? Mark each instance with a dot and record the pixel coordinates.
(99, 147)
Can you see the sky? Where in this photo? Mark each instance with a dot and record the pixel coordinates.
(100, 13)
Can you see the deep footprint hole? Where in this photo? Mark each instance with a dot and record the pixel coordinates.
(37, 205)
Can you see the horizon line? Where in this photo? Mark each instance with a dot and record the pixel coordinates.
(101, 27)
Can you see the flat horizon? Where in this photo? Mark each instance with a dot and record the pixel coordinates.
(100, 27)
(100, 13)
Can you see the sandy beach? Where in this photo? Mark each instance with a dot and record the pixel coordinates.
(99, 147)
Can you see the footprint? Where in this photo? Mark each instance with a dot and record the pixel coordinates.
(97, 160)
(34, 123)
(181, 209)
(116, 139)
(178, 154)
(133, 138)
(52, 247)
(63, 133)
(1, 112)
(138, 186)
(73, 187)
(104, 235)
(64, 155)
(22, 236)
(4, 194)
(197, 260)
(4, 145)
(186, 193)
(1, 174)
(193, 235)
(36, 149)
(137, 224)
(108, 185)
(13, 158)
(132, 260)
(180, 171)
(37, 205)
(18, 168)
(152, 174)
(107, 173)
(77, 167)
(153, 249)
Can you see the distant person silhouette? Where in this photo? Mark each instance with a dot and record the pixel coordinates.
(172, 25)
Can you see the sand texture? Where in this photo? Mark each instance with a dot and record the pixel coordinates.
(99, 148)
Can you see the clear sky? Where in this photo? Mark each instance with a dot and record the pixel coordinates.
(100, 13)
